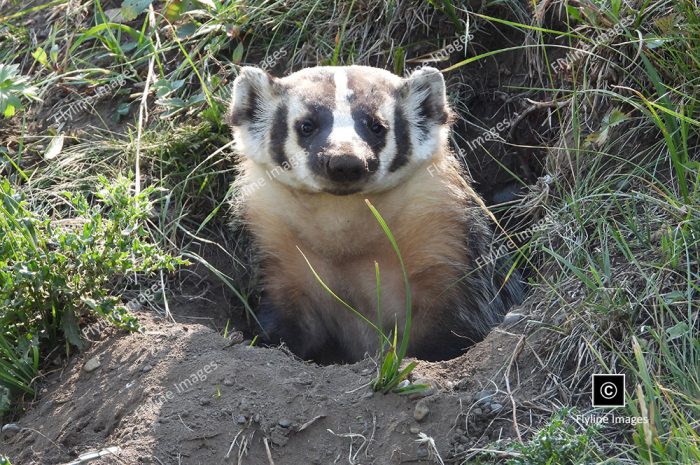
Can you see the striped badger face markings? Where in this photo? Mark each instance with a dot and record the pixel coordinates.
(339, 130)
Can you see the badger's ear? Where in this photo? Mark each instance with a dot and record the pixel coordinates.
(253, 91)
(423, 95)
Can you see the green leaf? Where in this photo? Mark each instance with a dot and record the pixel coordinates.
(399, 60)
(9, 111)
(71, 329)
(615, 7)
(573, 13)
(612, 119)
(238, 53)
(173, 10)
(675, 297)
(131, 9)
(53, 54)
(40, 55)
(680, 329)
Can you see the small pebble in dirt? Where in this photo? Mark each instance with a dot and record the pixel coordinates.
(511, 319)
(146, 368)
(10, 429)
(228, 382)
(92, 365)
(477, 412)
(421, 410)
(204, 401)
(483, 396)
(496, 407)
(240, 419)
(422, 453)
(415, 430)
(285, 422)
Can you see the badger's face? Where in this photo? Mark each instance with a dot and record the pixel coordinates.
(340, 130)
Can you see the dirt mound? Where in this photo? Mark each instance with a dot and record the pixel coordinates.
(183, 394)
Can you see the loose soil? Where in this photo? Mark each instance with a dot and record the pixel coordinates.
(181, 393)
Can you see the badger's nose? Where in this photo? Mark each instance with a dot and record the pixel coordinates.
(346, 168)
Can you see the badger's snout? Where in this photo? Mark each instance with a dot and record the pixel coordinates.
(346, 168)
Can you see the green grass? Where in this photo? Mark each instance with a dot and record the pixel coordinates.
(615, 277)
(620, 266)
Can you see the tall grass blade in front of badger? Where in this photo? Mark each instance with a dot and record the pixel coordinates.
(390, 374)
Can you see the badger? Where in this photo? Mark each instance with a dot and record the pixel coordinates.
(312, 147)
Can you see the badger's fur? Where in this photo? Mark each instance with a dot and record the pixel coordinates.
(314, 145)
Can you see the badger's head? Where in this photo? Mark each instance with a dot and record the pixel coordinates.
(339, 130)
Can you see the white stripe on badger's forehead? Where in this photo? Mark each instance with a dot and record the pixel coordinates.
(343, 124)
(342, 91)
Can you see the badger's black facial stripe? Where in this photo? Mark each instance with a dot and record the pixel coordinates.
(363, 121)
(316, 143)
(278, 137)
(403, 140)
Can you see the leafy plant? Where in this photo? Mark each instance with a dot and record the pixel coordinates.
(556, 443)
(54, 272)
(13, 86)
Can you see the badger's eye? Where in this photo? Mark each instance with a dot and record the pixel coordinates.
(306, 127)
(375, 126)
